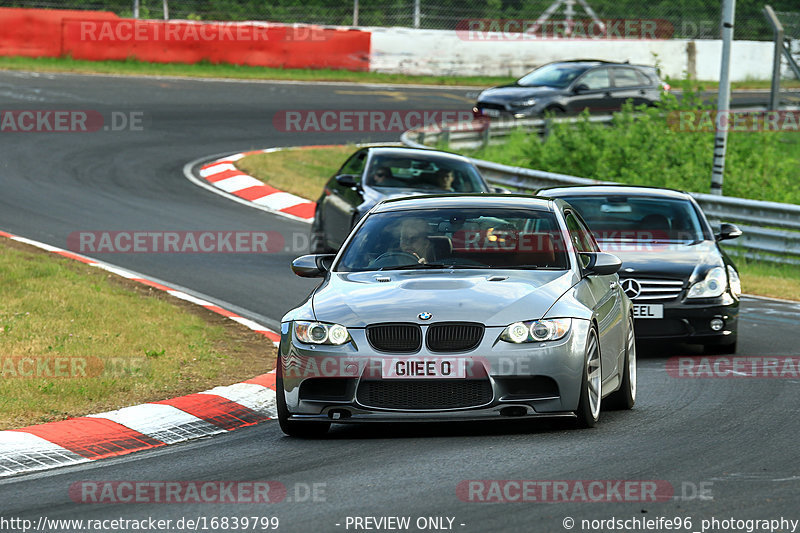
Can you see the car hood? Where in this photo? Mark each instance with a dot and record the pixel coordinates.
(508, 93)
(666, 260)
(358, 299)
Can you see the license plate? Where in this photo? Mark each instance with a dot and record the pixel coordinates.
(648, 311)
(427, 368)
(491, 112)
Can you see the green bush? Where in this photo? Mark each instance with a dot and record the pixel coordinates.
(643, 148)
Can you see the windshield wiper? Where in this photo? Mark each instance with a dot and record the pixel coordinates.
(421, 266)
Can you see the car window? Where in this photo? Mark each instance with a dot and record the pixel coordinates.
(468, 238)
(355, 165)
(639, 218)
(626, 77)
(426, 174)
(552, 75)
(596, 79)
(579, 234)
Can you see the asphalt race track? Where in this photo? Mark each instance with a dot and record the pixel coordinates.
(728, 447)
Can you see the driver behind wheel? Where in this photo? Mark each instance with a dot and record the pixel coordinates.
(414, 233)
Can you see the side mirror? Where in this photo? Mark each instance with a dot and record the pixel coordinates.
(600, 263)
(728, 231)
(500, 190)
(347, 180)
(580, 88)
(312, 266)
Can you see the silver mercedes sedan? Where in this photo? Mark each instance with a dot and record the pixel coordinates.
(458, 307)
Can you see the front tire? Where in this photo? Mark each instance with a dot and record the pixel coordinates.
(317, 243)
(588, 412)
(293, 428)
(625, 397)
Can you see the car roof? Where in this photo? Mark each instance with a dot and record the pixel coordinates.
(478, 200)
(607, 190)
(420, 153)
(597, 62)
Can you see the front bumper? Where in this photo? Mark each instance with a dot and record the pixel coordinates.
(344, 383)
(690, 321)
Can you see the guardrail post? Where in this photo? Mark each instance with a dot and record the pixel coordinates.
(485, 135)
(444, 137)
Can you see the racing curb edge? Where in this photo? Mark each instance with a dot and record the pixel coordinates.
(140, 427)
(219, 174)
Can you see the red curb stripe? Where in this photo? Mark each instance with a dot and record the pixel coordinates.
(152, 284)
(76, 257)
(225, 174)
(265, 380)
(216, 410)
(219, 310)
(305, 210)
(4, 234)
(271, 335)
(255, 192)
(93, 438)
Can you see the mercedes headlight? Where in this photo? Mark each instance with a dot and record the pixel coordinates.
(320, 333)
(536, 330)
(527, 102)
(712, 286)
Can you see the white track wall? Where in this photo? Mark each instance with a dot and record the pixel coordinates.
(409, 51)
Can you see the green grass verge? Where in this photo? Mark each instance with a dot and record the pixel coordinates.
(646, 149)
(304, 172)
(132, 67)
(300, 171)
(208, 70)
(76, 340)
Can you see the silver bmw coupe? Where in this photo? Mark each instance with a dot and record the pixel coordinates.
(467, 307)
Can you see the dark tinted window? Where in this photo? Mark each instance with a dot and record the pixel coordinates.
(626, 77)
(355, 165)
(429, 174)
(468, 238)
(596, 79)
(553, 75)
(639, 218)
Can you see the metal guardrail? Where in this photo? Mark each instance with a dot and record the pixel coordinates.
(771, 229)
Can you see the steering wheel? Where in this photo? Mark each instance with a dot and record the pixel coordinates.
(398, 255)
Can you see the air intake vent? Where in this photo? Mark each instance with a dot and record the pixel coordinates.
(396, 338)
(454, 336)
(425, 394)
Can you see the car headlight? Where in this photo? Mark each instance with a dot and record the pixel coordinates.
(536, 330)
(527, 102)
(712, 286)
(319, 333)
(733, 279)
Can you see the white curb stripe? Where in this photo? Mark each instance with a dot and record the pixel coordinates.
(237, 183)
(189, 298)
(163, 422)
(23, 452)
(216, 169)
(280, 200)
(251, 395)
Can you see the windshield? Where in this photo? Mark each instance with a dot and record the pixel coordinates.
(639, 218)
(424, 173)
(555, 75)
(456, 238)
